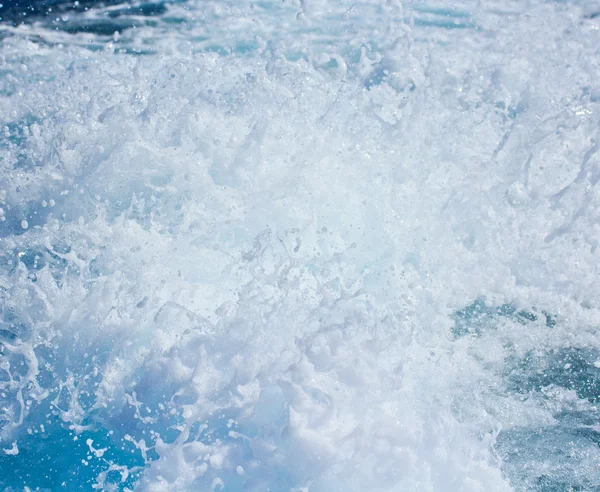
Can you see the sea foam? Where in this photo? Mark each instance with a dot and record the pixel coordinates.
(302, 246)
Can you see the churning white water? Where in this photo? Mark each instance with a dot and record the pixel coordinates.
(301, 246)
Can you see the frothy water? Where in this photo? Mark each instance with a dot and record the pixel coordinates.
(300, 246)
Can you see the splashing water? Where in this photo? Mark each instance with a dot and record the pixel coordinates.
(300, 246)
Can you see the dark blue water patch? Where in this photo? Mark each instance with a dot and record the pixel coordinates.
(478, 317)
(569, 368)
(102, 27)
(109, 16)
(144, 10)
(18, 11)
(555, 458)
(563, 455)
(52, 456)
(545, 483)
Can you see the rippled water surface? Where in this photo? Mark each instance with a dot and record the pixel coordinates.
(300, 246)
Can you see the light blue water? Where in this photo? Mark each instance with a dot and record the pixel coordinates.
(300, 246)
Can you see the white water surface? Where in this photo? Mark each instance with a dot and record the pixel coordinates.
(302, 246)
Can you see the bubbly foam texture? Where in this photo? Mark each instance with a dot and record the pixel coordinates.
(303, 247)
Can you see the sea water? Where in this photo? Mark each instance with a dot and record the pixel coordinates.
(300, 245)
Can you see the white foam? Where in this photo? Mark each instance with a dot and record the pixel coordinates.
(282, 242)
(13, 451)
